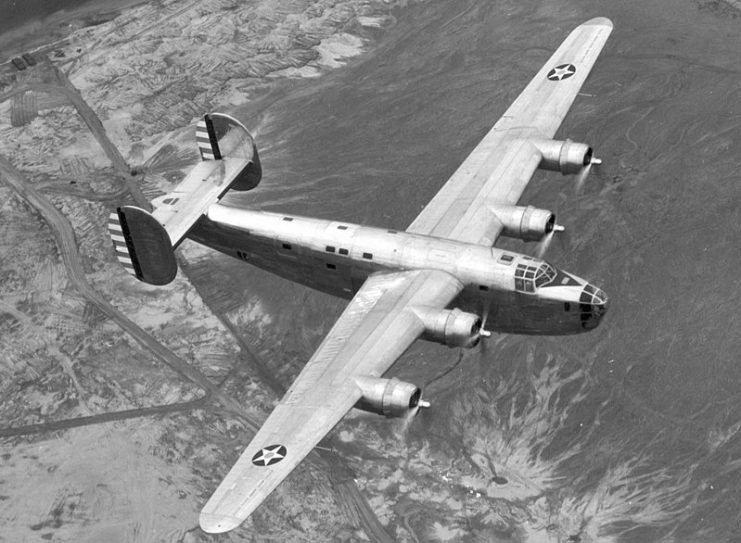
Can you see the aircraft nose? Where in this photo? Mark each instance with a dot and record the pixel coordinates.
(593, 302)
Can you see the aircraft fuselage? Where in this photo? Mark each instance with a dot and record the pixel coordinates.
(521, 294)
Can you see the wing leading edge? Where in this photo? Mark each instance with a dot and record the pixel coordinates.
(501, 165)
(375, 329)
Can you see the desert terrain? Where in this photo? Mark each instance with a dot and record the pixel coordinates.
(123, 405)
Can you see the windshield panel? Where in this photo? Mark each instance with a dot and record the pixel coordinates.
(545, 275)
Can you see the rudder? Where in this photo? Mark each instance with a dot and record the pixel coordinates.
(220, 136)
(142, 245)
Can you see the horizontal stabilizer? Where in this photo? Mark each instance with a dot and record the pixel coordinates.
(145, 242)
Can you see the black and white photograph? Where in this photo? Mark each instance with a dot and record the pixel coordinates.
(370, 271)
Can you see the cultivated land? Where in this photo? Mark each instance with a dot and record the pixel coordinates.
(84, 344)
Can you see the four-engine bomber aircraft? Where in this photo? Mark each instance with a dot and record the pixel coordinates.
(433, 281)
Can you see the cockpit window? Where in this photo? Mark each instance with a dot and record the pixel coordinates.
(545, 275)
(529, 276)
(524, 278)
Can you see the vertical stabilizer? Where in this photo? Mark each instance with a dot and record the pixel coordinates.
(145, 242)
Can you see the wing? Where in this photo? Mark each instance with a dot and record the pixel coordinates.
(500, 167)
(374, 330)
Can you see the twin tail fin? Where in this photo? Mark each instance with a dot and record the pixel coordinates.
(145, 242)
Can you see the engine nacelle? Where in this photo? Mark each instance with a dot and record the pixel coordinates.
(451, 327)
(525, 223)
(564, 156)
(388, 397)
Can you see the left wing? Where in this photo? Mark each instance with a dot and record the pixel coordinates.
(375, 329)
(500, 167)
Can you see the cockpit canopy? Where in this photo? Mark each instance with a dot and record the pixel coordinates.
(532, 274)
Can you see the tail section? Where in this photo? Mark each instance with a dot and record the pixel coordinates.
(145, 242)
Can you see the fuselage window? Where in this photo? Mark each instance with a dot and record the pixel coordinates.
(343, 252)
(331, 266)
(483, 287)
(342, 228)
(289, 219)
(287, 246)
(329, 249)
(506, 259)
(368, 256)
(392, 231)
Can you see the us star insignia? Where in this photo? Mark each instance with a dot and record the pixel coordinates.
(269, 455)
(564, 71)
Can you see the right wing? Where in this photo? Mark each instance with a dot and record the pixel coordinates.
(500, 167)
(375, 329)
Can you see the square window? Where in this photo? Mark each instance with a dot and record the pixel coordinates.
(343, 252)
(368, 256)
(287, 246)
(507, 259)
(483, 287)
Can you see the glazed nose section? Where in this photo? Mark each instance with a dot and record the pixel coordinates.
(593, 306)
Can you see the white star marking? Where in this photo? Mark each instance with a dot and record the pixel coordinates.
(269, 455)
(561, 72)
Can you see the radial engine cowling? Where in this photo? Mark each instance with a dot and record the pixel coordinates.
(566, 156)
(525, 223)
(451, 327)
(388, 397)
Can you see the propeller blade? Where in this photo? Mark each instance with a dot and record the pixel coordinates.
(582, 177)
(584, 173)
(485, 316)
(483, 332)
(545, 243)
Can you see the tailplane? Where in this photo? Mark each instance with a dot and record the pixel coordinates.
(145, 242)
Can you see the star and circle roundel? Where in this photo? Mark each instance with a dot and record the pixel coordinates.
(564, 71)
(267, 456)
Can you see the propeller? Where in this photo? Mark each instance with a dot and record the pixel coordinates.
(406, 421)
(584, 173)
(483, 332)
(545, 243)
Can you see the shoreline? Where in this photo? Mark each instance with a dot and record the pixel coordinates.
(46, 31)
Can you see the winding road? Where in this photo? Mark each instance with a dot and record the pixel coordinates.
(355, 507)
